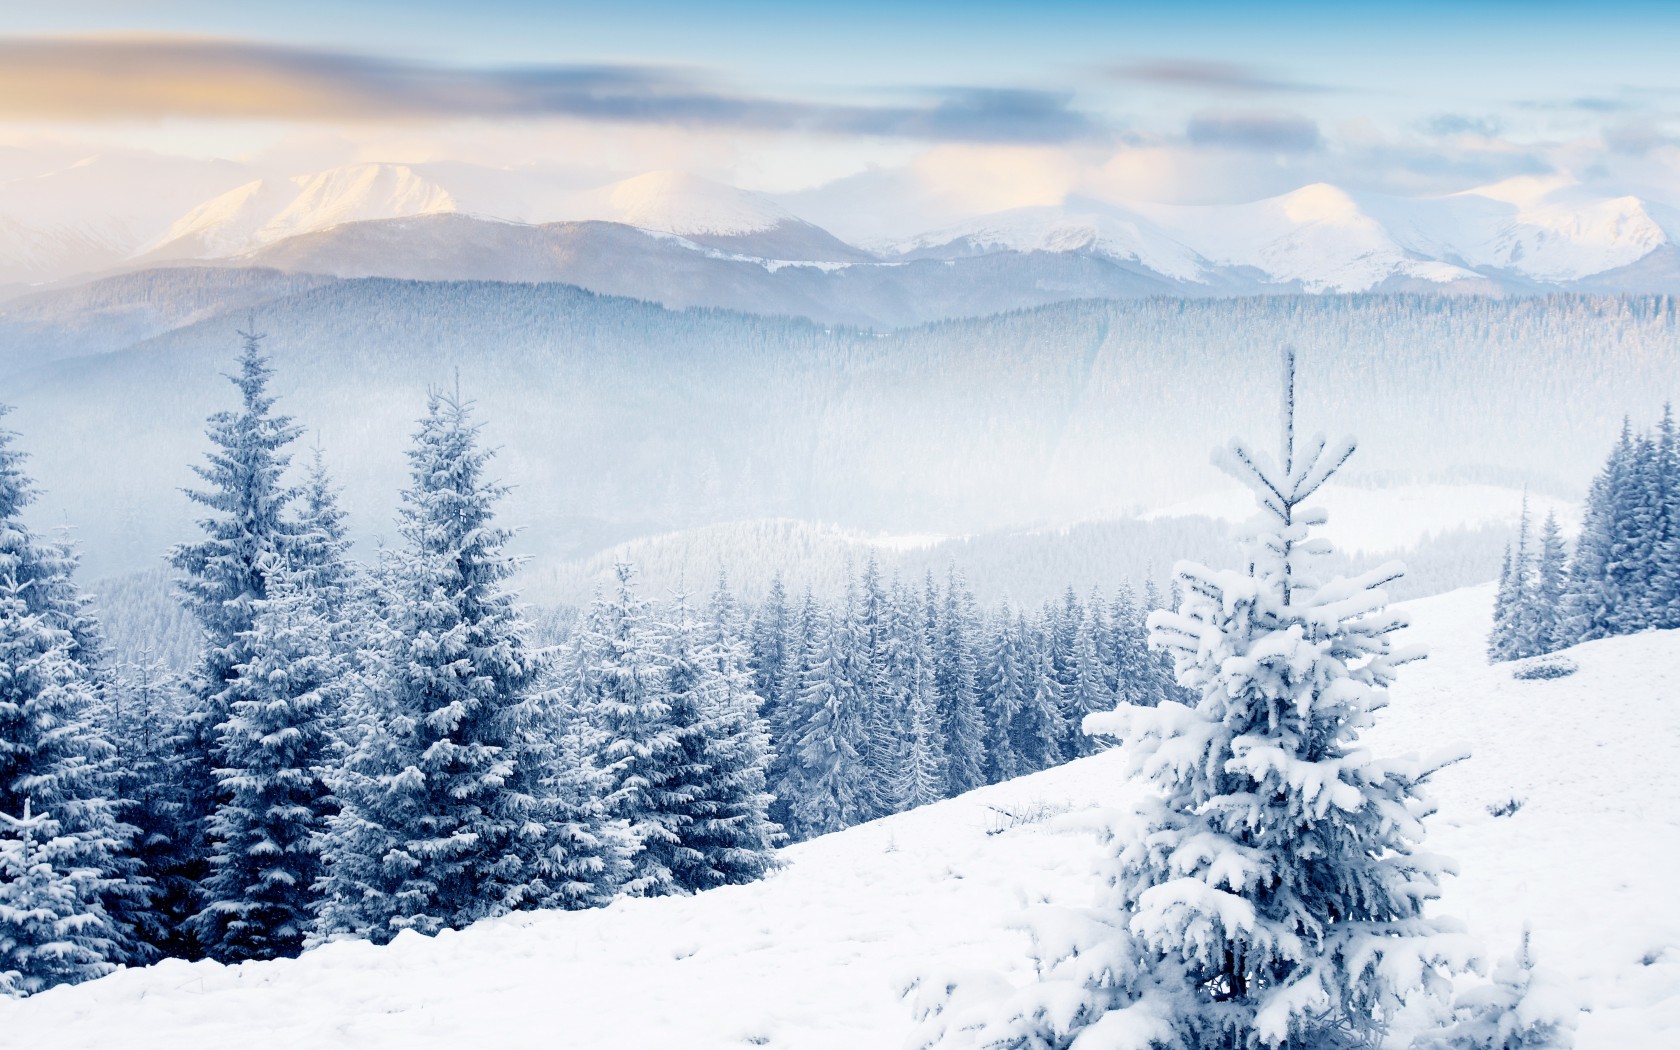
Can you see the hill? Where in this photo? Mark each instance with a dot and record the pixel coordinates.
(814, 957)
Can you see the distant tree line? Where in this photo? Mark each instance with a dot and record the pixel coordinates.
(1624, 575)
(361, 751)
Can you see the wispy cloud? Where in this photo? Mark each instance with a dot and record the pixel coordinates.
(1266, 132)
(147, 77)
(1449, 124)
(1221, 77)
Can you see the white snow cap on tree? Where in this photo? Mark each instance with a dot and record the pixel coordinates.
(1269, 891)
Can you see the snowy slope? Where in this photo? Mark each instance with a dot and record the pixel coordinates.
(814, 958)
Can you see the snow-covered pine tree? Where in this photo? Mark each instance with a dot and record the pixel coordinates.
(1523, 615)
(1506, 598)
(770, 641)
(1547, 596)
(246, 533)
(790, 717)
(52, 928)
(1003, 694)
(260, 893)
(1296, 923)
(713, 800)
(143, 708)
(1037, 731)
(956, 673)
(1665, 548)
(1598, 576)
(54, 752)
(445, 818)
(883, 750)
(1090, 694)
(829, 780)
(645, 754)
(1132, 667)
(918, 773)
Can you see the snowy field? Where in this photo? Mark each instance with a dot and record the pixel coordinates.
(815, 957)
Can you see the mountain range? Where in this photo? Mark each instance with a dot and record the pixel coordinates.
(682, 240)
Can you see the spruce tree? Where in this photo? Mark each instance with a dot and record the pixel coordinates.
(1296, 924)
(917, 776)
(247, 533)
(829, 780)
(1506, 598)
(1598, 574)
(789, 717)
(1004, 695)
(54, 753)
(445, 814)
(1665, 553)
(646, 742)
(1547, 597)
(145, 702)
(956, 683)
(260, 892)
(1039, 727)
(52, 929)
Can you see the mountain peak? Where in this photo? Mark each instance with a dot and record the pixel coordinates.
(683, 204)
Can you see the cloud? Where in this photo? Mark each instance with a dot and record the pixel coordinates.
(1210, 76)
(1449, 124)
(1585, 104)
(1265, 132)
(86, 78)
(1636, 138)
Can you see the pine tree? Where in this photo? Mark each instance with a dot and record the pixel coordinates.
(445, 816)
(1547, 597)
(1665, 553)
(54, 753)
(1501, 644)
(771, 631)
(1132, 673)
(247, 534)
(1091, 694)
(52, 929)
(647, 744)
(790, 716)
(829, 784)
(716, 793)
(956, 685)
(143, 710)
(917, 775)
(261, 890)
(1294, 924)
(1005, 694)
(1599, 576)
(1038, 729)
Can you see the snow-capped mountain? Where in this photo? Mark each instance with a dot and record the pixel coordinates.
(1321, 238)
(269, 210)
(1522, 235)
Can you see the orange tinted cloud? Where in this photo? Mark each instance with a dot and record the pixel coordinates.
(87, 78)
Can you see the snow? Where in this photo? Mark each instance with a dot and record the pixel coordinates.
(1329, 239)
(268, 210)
(1091, 227)
(686, 205)
(816, 956)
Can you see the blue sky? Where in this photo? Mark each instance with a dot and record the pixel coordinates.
(1407, 97)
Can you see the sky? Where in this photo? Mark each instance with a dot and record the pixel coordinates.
(996, 104)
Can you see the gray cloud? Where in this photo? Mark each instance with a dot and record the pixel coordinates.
(102, 78)
(1265, 132)
(1228, 77)
(1462, 124)
(1637, 138)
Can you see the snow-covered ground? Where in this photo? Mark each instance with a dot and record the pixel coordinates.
(815, 957)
